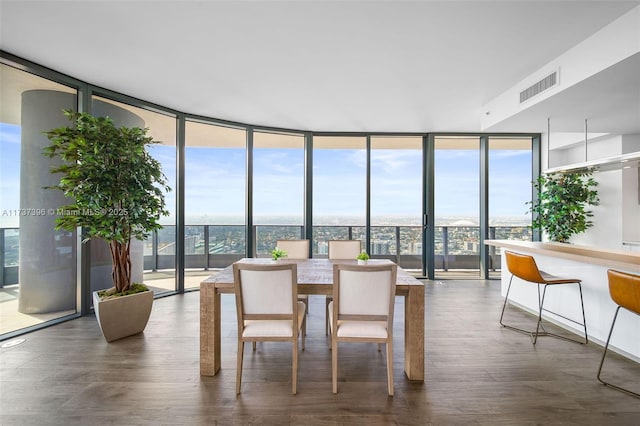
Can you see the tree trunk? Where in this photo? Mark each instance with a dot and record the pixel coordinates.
(121, 269)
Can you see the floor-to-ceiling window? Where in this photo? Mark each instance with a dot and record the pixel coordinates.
(396, 199)
(457, 204)
(510, 175)
(154, 261)
(278, 189)
(216, 167)
(38, 264)
(215, 183)
(339, 190)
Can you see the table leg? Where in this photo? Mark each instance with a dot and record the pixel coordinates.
(414, 333)
(209, 330)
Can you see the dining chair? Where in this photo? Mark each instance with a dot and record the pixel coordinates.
(525, 268)
(268, 309)
(340, 249)
(362, 310)
(624, 289)
(296, 249)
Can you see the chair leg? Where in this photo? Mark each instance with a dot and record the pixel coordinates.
(294, 367)
(604, 354)
(304, 330)
(239, 357)
(534, 335)
(390, 368)
(326, 315)
(540, 330)
(504, 305)
(583, 324)
(334, 364)
(584, 319)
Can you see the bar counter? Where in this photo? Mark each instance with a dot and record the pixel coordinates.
(589, 264)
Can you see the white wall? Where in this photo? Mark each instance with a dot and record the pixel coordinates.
(631, 204)
(617, 218)
(607, 216)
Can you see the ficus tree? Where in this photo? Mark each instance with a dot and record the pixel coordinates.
(115, 186)
(561, 209)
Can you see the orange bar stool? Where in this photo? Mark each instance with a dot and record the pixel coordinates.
(624, 290)
(525, 268)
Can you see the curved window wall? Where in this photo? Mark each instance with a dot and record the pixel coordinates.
(237, 189)
(38, 275)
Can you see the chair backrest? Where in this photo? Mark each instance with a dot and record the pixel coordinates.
(364, 293)
(523, 267)
(266, 291)
(344, 249)
(624, 289)
(296, 249)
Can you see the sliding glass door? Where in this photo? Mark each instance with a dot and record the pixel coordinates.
(396, 199)
(457, 206)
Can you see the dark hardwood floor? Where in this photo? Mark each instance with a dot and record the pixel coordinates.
(477, 373)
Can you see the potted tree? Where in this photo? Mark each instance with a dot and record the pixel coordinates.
(561, 207)
(117, 192)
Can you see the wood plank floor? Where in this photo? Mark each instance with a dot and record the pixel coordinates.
(476, 373)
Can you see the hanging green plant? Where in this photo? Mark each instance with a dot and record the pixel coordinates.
(561, 207)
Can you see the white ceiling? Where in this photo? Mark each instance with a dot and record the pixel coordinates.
(310, 65)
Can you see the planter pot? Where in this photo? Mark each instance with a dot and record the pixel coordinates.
(123, 316)
(362, 262)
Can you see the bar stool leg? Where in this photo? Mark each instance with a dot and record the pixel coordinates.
(504, 305)
(540, 330)
(535, 334)
(606, 346)
(584, 319)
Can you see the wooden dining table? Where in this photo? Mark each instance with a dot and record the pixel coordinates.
(315, 276)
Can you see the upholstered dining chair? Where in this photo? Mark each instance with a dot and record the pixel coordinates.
(362, 310)
(525, 268)
(340, 249)
(296, 249)
(624, 289)
(268, 309)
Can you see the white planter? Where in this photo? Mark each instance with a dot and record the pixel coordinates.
(362, 262)
(123, 316)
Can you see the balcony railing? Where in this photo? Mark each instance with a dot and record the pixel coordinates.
(217, 246)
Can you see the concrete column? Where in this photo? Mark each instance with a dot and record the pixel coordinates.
(47, 257)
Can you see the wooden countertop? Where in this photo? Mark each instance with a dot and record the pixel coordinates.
(625, 260)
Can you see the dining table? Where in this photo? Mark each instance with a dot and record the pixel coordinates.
(315, 277)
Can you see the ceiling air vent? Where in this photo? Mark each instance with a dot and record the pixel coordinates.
(539, 87)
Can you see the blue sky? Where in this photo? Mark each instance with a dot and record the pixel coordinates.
(215, 181)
